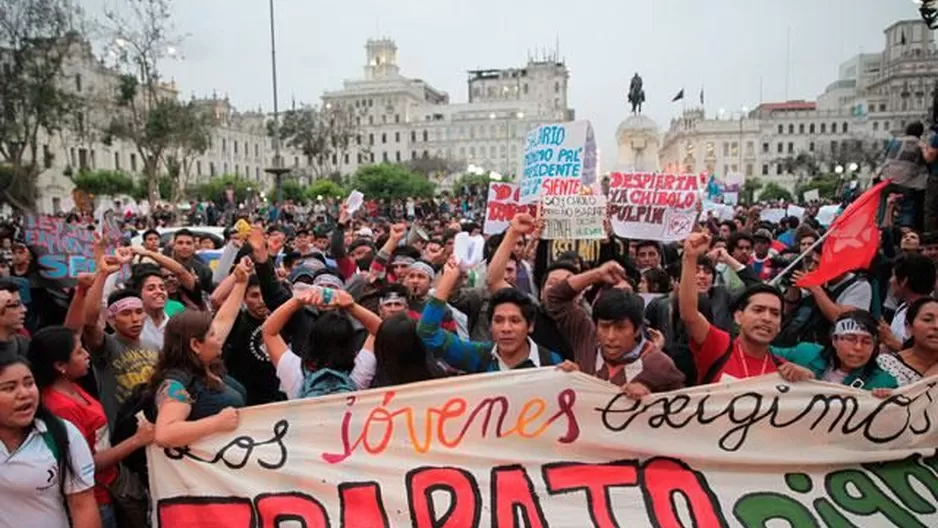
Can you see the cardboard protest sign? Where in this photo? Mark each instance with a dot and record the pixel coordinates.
(826, 214)
(65, 250)
(567, 450)
(773, 215)
(502, 206)
(797, 212)
(812, 196)
(558, 158)
(574, 216)
(653, 206)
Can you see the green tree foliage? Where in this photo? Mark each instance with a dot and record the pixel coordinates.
(390, 181)
(36, 36)
(473, 183)
(214, 189)
(104, 182)
(749, 188)
(292, 190)
(773, 191)
(323, 135)
(826, 186)
(191, 138)
(326, 189)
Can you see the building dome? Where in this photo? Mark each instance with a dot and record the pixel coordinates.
(637, 124)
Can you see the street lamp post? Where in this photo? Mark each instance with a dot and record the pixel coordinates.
(276, 168)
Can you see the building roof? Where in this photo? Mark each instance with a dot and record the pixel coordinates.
(787, 106)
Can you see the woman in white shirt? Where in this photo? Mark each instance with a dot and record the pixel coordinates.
(46, 467)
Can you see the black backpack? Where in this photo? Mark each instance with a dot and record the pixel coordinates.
(806, 323)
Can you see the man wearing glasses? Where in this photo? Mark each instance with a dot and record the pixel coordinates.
(12, 319)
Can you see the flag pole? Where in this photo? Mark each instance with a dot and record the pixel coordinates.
(799, 258)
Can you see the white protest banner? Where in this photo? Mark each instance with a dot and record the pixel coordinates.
(826, 214)
(812, 195)
(773, 215)
(731, 198)
(558, 158)
(797, 212)
(715, 210)
(564, 450)
(651, 206)
(502, 206)
(574, 217)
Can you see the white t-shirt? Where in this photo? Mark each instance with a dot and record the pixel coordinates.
(898, 323)
(290, 372)
(29, 480)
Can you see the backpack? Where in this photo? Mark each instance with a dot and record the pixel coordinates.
(717, 367)
(325, 381)
(806, 323)
(543, 355)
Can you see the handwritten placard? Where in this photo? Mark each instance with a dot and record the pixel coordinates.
(557, 156)
(652, 206)
(502, 206)
(574, 216)
(566, 451)
(66, 250)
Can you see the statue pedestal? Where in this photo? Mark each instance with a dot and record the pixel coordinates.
(638, 142)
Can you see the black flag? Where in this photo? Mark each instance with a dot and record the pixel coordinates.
(701, 96)
(679, 96)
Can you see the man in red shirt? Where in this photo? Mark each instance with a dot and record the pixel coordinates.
(757, 312)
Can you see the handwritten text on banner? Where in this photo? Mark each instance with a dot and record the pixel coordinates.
(566, 451)
(502, 206)
(653, 206)
(557, 155)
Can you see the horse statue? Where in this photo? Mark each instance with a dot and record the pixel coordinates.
(636, 94)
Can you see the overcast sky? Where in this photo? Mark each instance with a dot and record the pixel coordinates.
(726, 46)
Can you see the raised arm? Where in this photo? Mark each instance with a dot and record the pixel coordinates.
(222, 291)
(226, 316)
(270, 331)
(366, 317)
(75, 317)
(696, 324)
(186, 279)
(93, 329)
(521, 224)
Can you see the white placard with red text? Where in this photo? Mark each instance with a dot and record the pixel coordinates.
(653, 206)
(502, 206)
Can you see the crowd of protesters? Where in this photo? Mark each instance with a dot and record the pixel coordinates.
(305, 302)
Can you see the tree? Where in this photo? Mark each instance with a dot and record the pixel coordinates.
(471, 183)
(433, 168)
(749, 188)
(773, 191)
(214, 189)
(292, 190)
(144, 109)
(103, 182)
(390, 181)
(826, 186)
(192, 137)
(326, 189)
(323, 135)
(36, 37)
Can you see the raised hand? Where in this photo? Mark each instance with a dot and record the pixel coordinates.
(398, 231)
(85, 280)
(523, 223)
(611, 272)
(125, 255)
(695, 245)
(244, 269)
(258, 244)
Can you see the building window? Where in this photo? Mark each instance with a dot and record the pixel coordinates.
(765, 169)
(133, 162)
(384, 138)
(257, 173)
(765, 148)
(358, 139)
(749, 169)
(371, 157)
(734, 150)
(211, 169)
(886, 126)
(749, 148)
(778, 169)
(198, 167)
(811, 128)
(791, 129)
(384, 157)
(556, 87)
(371, 139)
(397, 137)
(117, 160)
(371, 120)
(801, 128)
(257, 150)
(413, 136)
(235, 143)
(237, 169)
(384, 119)
(524, 88)
(875, 126)
(726, 149)
(781, 129)
(345, 159)
(710, 150)
(472, 152)
(426, 155)
(791, 148)
(397, 156)
(224, 145)
(359, 157)
(413, 154)
(397, 118)
(844, 128)
(424, 136)
(833, 147)
(811, 147)
(833, 128)
(823, 128)
(781, 148)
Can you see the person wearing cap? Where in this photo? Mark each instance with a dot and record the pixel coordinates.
(762, 257)
(851, 359)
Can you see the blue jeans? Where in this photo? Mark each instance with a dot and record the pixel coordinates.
(108, 520)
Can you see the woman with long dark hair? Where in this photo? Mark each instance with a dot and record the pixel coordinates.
(194, 398)
(850, 360)
(401, 355)
(58, 362)
(46, 468)
(919, 356)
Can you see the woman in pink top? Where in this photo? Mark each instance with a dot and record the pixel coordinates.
(59, 361)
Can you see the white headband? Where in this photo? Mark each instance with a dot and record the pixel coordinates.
(850, 327)
(424, 268)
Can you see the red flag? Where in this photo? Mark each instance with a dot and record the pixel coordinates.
(853, 240)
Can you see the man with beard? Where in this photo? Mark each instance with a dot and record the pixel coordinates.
(244, 353)
(757, 312)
